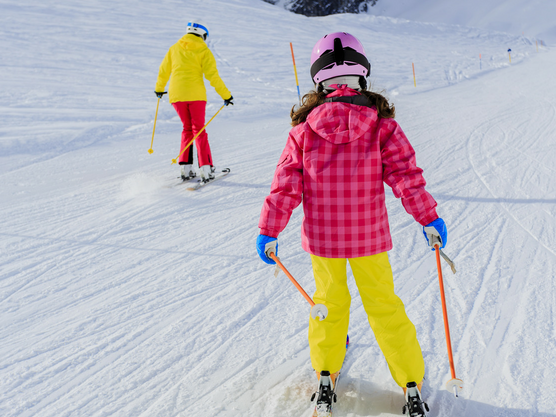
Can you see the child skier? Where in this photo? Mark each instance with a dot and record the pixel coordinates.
(187, 61)
(343, 146)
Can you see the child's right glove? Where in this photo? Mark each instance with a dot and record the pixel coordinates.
(264, 243)
(436, 228)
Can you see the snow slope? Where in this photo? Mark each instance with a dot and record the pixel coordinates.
(533, 18)
(122, 295)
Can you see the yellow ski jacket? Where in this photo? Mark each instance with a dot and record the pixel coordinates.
(187, 61)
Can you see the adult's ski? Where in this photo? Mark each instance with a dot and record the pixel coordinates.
(201, 183)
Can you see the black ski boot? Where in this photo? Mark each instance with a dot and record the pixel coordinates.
(414, 405)
(326, 396)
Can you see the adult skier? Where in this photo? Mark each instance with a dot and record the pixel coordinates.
(186, 62)
(344, 145)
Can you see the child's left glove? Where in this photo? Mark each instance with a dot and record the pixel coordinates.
(266, 244)
(436, 228)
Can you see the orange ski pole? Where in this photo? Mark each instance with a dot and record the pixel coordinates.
(453, 384)
(317, 310)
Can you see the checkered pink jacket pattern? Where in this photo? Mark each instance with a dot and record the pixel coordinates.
(337, 162)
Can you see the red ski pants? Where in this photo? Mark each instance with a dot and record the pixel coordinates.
(192, 115)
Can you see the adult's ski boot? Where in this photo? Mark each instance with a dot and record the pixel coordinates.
(414, 404)
(207, 173)
(187, 172)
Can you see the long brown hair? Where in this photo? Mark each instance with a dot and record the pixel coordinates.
(315, 98)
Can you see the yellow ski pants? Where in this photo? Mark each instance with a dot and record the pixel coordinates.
(393, 330)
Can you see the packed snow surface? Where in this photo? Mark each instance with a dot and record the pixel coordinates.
(123, 294)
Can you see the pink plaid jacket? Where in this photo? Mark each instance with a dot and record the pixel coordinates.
(337, 162)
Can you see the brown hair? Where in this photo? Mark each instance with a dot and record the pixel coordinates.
(315, 98)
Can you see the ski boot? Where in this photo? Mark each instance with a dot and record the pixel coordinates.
(207, 173)
(187, 172)
(414, 405)
(326, 395)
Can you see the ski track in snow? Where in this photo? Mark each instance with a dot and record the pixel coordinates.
(123, 294)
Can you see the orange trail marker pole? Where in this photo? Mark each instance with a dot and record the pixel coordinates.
(480, 62)
(317, 310)
(198, 133)
(295, 71)
(414, 82)
(455, 385)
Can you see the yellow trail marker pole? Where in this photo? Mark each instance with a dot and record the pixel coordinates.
(174, 161)
(155, 115)
(295, 71)
(510, 55)
(414, 82)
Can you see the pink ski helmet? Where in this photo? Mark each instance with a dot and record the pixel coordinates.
(338, 54)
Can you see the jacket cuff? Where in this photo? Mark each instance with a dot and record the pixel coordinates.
(271, 233)
(432, 216)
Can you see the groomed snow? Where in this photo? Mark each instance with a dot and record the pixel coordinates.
(122, 295)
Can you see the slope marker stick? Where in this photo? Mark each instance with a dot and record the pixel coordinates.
(414, 82)
(295, 71)
(198, 133)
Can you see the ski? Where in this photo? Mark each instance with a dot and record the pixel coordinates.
(201, 183)
(415, 406)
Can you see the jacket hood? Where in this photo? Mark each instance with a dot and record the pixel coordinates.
(191, 41)
(341, 122)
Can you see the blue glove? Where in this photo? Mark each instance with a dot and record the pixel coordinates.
(436, 229)
(264, 244)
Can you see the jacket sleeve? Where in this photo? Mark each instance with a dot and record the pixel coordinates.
(286, 191)
(164, 72)
(401, 173)
(211, 74)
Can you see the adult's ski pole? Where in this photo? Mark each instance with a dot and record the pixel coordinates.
(455, 384)
(174, 161)
(154, 126)
(317, 310)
